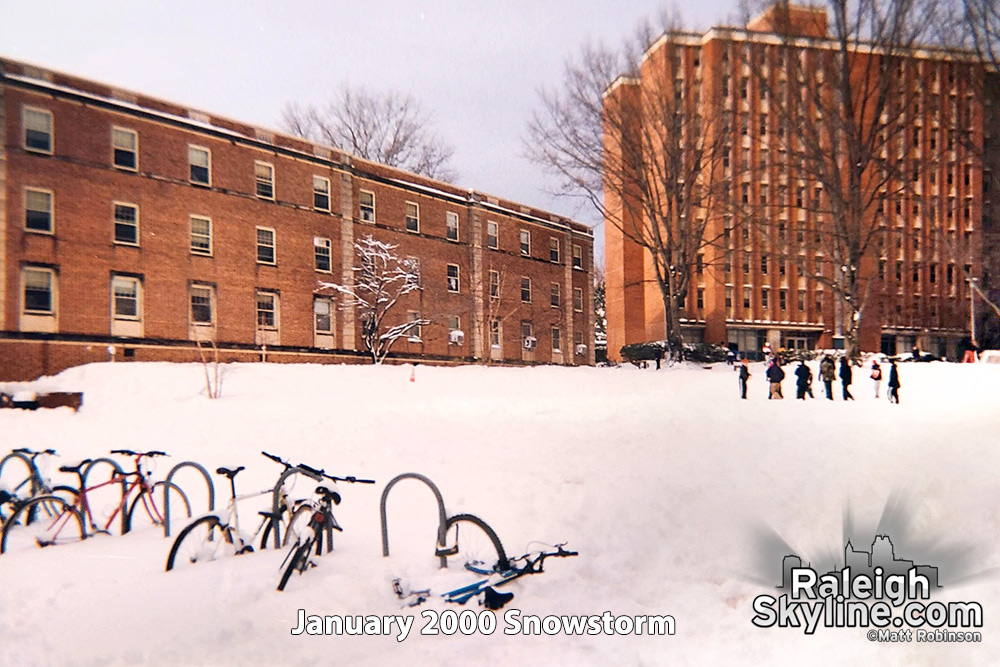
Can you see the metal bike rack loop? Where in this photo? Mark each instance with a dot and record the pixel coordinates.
(28, 464)
(166, 491)
(442, 514)
(120, 472)
(276, 498)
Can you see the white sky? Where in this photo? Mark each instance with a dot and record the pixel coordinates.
(477, 66)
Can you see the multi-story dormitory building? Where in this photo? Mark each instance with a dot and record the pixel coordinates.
(132, 227)
(743, 295)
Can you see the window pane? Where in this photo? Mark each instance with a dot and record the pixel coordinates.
(38, 213)
(265, 246)
(452, 223)
(201, 236)
(322, 311)
(37, 130)
(265, 309)
(126, 297)
(38, 291)
(199, 161)
(126, 228)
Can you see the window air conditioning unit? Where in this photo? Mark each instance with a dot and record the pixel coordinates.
(456, 337)
(530, 342)
(581, 349)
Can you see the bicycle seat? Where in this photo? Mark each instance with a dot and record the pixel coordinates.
(328, 494)
(227, 472)
(78, 468)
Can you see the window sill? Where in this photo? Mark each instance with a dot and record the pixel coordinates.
(42, 232)
(128, 244)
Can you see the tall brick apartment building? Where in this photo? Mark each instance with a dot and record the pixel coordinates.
(131, 227)
(939, 228)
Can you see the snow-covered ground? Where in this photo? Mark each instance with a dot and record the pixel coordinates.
(666, 483)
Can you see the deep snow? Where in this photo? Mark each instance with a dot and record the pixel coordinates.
(662, 481)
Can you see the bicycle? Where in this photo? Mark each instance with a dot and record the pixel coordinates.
(14, 496)
(69, 521)
(321, 520)
(211, 536)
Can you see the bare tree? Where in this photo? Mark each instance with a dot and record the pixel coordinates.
(382, 278)
(645, 152)
(386, 127)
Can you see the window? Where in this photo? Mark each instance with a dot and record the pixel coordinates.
(126, 223)
(38, 210)
(495, 332)
(264, 175)
(577, 257)
(556, 339)
(367, 203)
(492, 235)
(555, 299)
(125, 148)
(412, 217)
(39, 288)
(201, 304)
(323, 315)
(578, 299)
(200, 161)
(525, 290)
(201, 235)
(38, 130)
(525, 242)
(746, 298)
(578, 341)
(451, 226)
(494, 284)
(554, 251)
(412, 266)
(267, 310)
(125, 298)
(322, 248)
(764, 293)
(454, 323)
(321, 193)
(265, 245)
(416, 329)
(783, 299)
(453, 282)
(526, 330)
(700, 263)
(700, 302)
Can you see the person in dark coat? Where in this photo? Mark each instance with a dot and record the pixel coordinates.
(827, 373)
(775, 375)
(893, 383)
(744, 376)
(803, 378)
(845, 378)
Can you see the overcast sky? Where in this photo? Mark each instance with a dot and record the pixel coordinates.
(475, 65)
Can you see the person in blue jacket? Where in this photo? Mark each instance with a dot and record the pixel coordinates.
(775, 375)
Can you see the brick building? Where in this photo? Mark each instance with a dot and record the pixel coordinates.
(749, 290)
(131, 227)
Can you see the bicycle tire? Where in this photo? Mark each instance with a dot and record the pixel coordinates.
(202, 540)
(184, 507)
(478, 546)
(298, 525)
(41, 522)
(301, 555)
(284, 537)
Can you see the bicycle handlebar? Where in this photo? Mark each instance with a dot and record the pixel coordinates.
(317, 473)
(32, 453)
(129, 452)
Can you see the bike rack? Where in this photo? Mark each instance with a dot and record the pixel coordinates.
(32, 471)
(442, 514)
(120, 472)
(276, 499)
(166, 491)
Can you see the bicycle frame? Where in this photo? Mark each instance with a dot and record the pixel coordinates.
(82, 505)
(232, 521)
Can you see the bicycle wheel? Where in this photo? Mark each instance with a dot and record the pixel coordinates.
(206, 539)
(475, 545)
(41, 522)
(145, 511)
(299, 561)
(298, 526)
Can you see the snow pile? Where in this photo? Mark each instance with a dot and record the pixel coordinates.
(661, 480)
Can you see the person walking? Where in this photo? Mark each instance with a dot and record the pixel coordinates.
(827, 373)
(803, 378)
(845, 378)
(893, 383)
(744, 376)
(876, 376)
(775, 375)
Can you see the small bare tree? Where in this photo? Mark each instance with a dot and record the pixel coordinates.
(386, 127)
(381, 279)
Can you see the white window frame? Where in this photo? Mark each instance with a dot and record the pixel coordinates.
(329, 304)
(263, 181)
(496, 332)
(192, 288)
(556, 335)
(492, 235)
(137, 285)
(555, 295)
(192, 148)
(415, 217)
(319, 192)
(494, 277)
(578, 257)
(523, 278)
(115, 148)
(414, 333)
(51, 288)
(454, 323)
(451, 223)
(414, 267)
(370, 216)
(275, 321)
(273, 245)
(320, 243)
(25, 111)
(454, 281)
(578, 299)
(198, 250)
(525, 243)
(115, 222)
(52, 210)
(555, 253)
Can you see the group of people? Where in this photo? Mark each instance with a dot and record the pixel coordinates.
(828, 373)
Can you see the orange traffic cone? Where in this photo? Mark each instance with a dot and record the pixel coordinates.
(413, 373)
